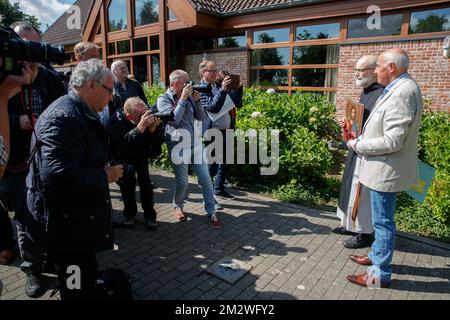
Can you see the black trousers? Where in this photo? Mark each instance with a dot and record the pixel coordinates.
(87, 264)
(128, 190)
(6, 231)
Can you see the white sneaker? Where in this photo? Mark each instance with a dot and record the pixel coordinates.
(227, 184)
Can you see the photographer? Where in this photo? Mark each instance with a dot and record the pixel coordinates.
(214, 102)
(132, 133)
(185, 103)
(24, 109)
(68, 183)
(8, 86)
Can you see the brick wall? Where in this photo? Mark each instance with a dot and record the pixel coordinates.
(235, 62)
(427, 66)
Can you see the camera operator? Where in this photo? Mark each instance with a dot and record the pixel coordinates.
(24, 109)
(185, 103)
(67, 186)
(213, 102)
(8, 87)
(132, 133)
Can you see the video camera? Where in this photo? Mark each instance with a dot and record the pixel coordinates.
(14, 50)
(201, 87)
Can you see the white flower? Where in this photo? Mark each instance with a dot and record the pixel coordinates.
(256, 114)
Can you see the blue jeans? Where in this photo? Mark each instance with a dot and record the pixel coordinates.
(383, 207)
(219, 170)
(181, 181)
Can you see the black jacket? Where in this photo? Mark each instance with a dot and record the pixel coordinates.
(50, 88)
(133, 89)
(67, 187)
(127, 143)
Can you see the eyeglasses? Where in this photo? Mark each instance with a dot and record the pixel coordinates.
(362, 70)
(122, 68)
(110, 90)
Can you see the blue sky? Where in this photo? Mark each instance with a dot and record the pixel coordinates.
(46, 10)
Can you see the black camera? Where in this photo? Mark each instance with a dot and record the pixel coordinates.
(128, 169)
(201, 87)
(13, 50)
(165, 116)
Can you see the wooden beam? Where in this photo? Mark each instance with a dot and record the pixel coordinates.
(130, 15)
(163, 45)
(104, 24)
(93, 14)
(183, 11)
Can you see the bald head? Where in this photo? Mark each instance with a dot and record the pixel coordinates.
(391, 64)
(365, 74)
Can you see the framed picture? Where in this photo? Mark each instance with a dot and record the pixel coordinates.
(354, 112)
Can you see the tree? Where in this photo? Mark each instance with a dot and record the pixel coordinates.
(432, 23)
(229, 42)
(147, 14)
(11, 13)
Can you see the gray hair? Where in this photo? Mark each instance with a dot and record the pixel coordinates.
(93, 69)
(116, 64)
(369, 60)
(177, 75)
(399, 57)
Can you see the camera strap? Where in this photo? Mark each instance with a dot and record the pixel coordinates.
(28, 108)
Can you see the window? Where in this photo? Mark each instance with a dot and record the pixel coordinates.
(170, 14)
(391, 25)
(320, 31)
(111, 48)
(233, 41)
(272, 77)
(430, 21)
(270, 36)
(314, 77)
(146, 12)
(271, 56)
(154, 43)
(199, 44)
(140, 44)
(117, 15)
(325, 54)
(123, 46)
(155, 68)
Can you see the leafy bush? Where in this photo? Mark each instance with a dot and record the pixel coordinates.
(305, 121)
(411, 216)
(152, 93)
(434, 142)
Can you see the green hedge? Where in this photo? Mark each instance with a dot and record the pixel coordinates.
(434, 142)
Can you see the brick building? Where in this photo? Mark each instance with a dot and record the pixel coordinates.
(307, 45)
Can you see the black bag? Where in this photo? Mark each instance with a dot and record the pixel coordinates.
(114, 284)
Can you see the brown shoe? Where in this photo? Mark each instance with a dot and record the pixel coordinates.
(364, 280)
(362, 260)
(6, 257)
(179, 214)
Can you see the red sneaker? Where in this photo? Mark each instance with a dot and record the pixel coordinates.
(215, 222)
(179, 214)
